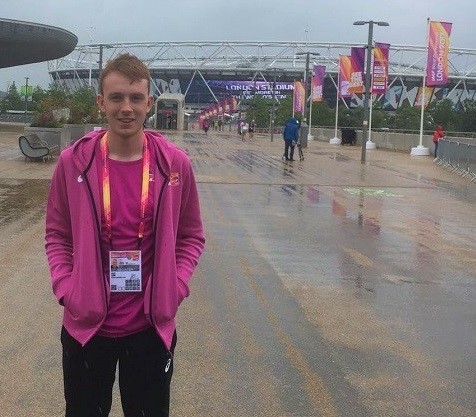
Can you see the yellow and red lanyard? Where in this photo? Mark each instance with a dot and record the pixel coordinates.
(106, 188)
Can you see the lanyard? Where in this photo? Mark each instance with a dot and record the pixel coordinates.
(106, 188)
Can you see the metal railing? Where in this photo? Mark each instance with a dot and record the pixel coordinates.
(458, 157)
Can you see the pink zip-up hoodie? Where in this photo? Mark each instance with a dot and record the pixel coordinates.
(73, 222)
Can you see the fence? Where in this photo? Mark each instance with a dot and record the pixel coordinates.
(458, 157)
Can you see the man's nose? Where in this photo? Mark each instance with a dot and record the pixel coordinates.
(126, 106)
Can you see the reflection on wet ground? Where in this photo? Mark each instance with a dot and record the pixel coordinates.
(379, 257)
(22, 199)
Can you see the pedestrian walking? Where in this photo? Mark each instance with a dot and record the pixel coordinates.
(242, 129)
(123, 237)
(251, 129)
(291, 137)
(206, 125)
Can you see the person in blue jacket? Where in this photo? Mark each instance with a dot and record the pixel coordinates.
(291, 137)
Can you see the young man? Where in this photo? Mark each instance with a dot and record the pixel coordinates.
(123, 237)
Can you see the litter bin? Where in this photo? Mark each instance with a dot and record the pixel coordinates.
(349, 136)
(303, 132)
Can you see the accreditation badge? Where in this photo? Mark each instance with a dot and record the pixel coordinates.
(125, 271)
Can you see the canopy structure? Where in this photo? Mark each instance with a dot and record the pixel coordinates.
(28, 43)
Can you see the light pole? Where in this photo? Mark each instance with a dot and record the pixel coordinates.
(273, 106)
(26, 100)
(365, 123)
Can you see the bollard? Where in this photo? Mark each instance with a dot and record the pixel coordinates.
(303, 132)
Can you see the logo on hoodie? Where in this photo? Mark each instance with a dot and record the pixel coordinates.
(80, 179)
(174, 179)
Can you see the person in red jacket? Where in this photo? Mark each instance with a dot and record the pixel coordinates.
(123, 238)
(437, 135)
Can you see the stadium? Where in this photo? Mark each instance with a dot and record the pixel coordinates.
(208, 72)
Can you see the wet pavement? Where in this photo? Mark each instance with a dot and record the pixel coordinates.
(328, 287)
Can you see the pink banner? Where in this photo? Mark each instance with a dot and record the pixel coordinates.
(357, 60)
(380, 68)
(318, 74)
(344, 75)
(438, 50)
(298, 98)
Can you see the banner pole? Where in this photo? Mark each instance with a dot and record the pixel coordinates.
(309, 135)
(294, 97)
(423, 101)
(335, 140)
(421, 150)
(370, 116)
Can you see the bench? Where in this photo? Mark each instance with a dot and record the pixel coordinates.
(34, 148)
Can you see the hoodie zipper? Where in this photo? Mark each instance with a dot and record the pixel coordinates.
(96, 218)
(156, 217)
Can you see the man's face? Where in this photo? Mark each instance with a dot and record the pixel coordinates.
(125, 103)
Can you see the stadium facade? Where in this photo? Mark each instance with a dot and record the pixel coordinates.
(207, 72)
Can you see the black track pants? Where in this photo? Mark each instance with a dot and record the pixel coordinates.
(145, 373)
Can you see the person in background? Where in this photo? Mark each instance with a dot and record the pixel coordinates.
(437, 135)
(206, 125)
(251, 129)
(123, 237)
(291, 137)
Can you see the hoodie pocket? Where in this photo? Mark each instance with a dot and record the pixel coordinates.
(85, 300)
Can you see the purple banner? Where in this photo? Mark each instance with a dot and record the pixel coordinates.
(380, 68)
(357, 60)
(318, 75)
(438, 50)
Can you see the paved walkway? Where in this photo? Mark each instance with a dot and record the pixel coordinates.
(328, 287)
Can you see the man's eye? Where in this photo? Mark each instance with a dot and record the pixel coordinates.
(116, 98)
(137, 99)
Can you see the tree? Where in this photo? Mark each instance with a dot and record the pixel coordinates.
(37, 95)
(322, 114)
(284, 111)
(258, 110)
(443, 113)
(54, 100)
(57, 107)
(468, 117)
(350, 117)
(83, 106)
(13, 100)
(407, 118)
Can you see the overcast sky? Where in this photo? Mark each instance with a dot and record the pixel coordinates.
(102, 21)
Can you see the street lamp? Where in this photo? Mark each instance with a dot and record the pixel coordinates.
(272, 114)
(26, 100)
(365, 123)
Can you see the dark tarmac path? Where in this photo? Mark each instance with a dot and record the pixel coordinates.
(328, 288)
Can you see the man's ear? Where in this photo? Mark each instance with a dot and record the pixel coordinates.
(100, 102)
(150, 102)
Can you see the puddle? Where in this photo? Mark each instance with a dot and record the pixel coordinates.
(22, 199)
